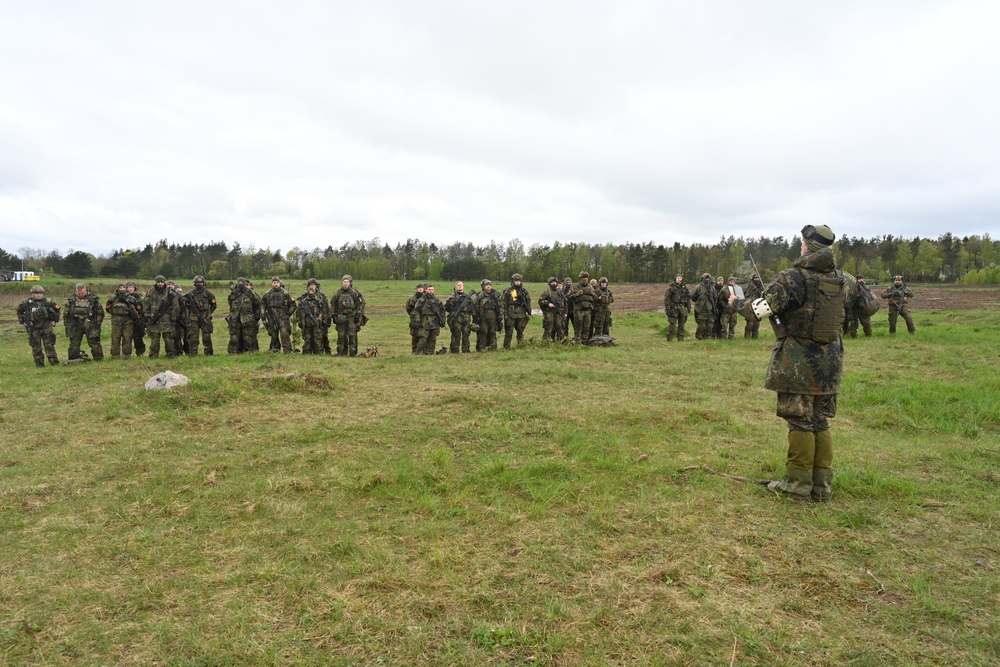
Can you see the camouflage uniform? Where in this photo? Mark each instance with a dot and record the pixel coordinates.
(181, 323)
(313, 310)
(488, 317)
(567, 288)
(162, 307)
(348, 308)
(582, 298)
(460, 310)
(126, 312)
(411, 310)
(728, 318)
(200, 306)
(721, 297)
(278, 306)
(602, 309)
(899, 296)
(854, 316)
(704, 307)
(752, 292)
(677, 305)
(38, 316)
(553, 305)
(139, 330)
(806, 304)
(432, 318)
(83, 316)
(244, 314)
(515, 304)
(328, 320)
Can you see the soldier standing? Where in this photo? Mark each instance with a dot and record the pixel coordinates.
(348, 308)
(200, 304)
(83, 316)
(581, 298)
(489, 317)
(729, 317)
(432, 318)
(704, 307)
(460, 310)
(806, 307)
(244, 314)
(278, 306)
(899, 295)
(181, 323)
(752, 292)
(411, 310)
(38, 316)
(125, 311)
(602, 308)
(161, 306)
(312, 312)
(328, 318)
(515, 304)
(677, 305)
(552, 303)
(139, 330)
(855, 315)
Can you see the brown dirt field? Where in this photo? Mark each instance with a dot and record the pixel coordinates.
(648, 298)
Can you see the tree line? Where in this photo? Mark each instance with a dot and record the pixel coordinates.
(971, 259)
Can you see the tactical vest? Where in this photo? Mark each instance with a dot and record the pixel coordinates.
(345, 302)
(585, 300)
(822, 313)
(38, 312)
(119, 307)
(80, 308)
(275, 299)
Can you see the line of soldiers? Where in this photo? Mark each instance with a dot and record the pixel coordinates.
(714, 316)
(585, 304)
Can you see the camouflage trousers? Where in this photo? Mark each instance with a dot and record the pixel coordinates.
(121, 339)
(852, 325)
(675, 324)
(43, 344)
(581, 324)
(486, 337)
(75, 332)
(242, 338)
(807, 412)
(312, 339)
(281, 337)
(460, 334)
(752, 329)
(138, 338)
(511, 327)
(551, 326)
(427, 341)
(347, 337)
(601, 325)
(705, 329)
(157, 331)
(727, 325)
(194, 328)
(895, 313)
(415, 339)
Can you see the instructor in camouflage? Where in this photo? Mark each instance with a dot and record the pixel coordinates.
(899, 295)
(83, 316)
(806, 307)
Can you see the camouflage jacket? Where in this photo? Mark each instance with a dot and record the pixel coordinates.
(79, 311)
(753, 291)
(411, 310)
(704, 299)
(556, 298)
(162, 305)
(515, 304)
(277, 304)
(37, 313)
(604, 299)
(431, 312)
(124, 307)
(315, 304)
(487, 305)
(582, 296)
(460, 309)
(244, 306)
(677, 299)
(800, 365)
(348, 302)
(898, 296)
(200, 301)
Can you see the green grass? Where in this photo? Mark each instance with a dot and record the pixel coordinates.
(527, 507)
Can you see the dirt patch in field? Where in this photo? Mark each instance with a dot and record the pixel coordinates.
(648, 298)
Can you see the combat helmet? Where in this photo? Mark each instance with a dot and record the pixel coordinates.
(602, 279)
(516, 276)
(38, 289)
(552, 279)
(199, 280)
(584, 273)
(347, 277)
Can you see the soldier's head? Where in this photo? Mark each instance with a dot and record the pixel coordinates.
(720, 280)
(593, 282)
(553, 282)
(487, 285)
(346, 281)
(755, 278)
(567, 281)
(120, 288)
(860, 278)
(199, 282)
(178, 289)
(130, 286)
(160, 282)
(420, 288)
(313, 281)
(250, 285)
(732, 280)
(516, 279)
(172, 285)
(81, 290)
(898, 280)
(602, 281)
(816, 237)
(459, 286)
(275, 282)
(559, 284)
(584, 277)
(429, 289)
(706, 277)
(311, 288)
(679, 279)
(38, 292)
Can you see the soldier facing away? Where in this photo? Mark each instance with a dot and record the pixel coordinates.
(38, 315)
(857, 315)
(806, 306)
(677, 305)
(83, 316)
(899, 296)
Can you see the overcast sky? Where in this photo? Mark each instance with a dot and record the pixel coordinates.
(308, 124)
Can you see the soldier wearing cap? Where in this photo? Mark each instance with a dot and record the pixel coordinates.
(348, 307)
(553, 305)
(460, 316)
(38, 315)
(414, 314)
(139, 330)
(806, 307)
(83, 316)
(488, 316)
(312, 312)
(162, 307)
(515, 304)
(899, 296)
(704, 307)
(582, 298)
(243, 318)
(200, 306)
(277, 307)
(126, 313)
(677, 305)
(601, 323)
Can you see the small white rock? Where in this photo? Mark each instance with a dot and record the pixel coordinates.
(166, 380)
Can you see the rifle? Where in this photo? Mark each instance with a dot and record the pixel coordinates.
(191, 302)
(31, 321)
(304, 305)
(458, 309)
(438, 309)
(275, 322)
(162, 309)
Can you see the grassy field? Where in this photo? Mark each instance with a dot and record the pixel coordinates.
(522, 507)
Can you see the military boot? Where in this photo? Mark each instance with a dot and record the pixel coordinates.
(822, 473)
(798, 479)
